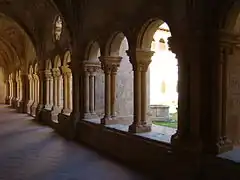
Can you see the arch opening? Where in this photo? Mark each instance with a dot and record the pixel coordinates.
(162, 78)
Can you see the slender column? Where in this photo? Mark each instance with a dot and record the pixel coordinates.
(110, 65)
(113, 91)
(51, 88)
(140, 60)
(7, 92)
(59, 92)
(48, 77)
(65, 91)
(24, 93)
(69, 75)
(90, 69)
(144, 102)
(224, 143)
(92, 92)
(86, 94)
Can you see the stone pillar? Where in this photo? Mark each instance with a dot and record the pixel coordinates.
(70, 97)
(30, 78)
(41, 91)
(90, 69)
(140, 60)
(223, 143)
(7, 92)
(86, 94)
(110, 65)
(48, 76)
(24, 93)
(14, 89)
(35, 95)
(56, 94)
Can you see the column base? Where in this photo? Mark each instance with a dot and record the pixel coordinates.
(29, 105)
(7, 101)
(13, 103)
(54, 114)
(88, 116)
(22, 108)
(48, 107)
(108, 120)
(66, 111)
(138, 128)
(224, 145)
(39, 110)
(34, 109)
(186, 143)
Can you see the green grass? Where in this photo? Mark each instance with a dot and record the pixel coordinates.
(167, 124)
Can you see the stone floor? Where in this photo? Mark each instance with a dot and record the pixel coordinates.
(29, 151)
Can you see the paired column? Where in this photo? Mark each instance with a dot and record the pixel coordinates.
(7, 92)
(35, 94)
(140, 60)
(24, 93)
(48, 77)
(67, 82)
(90, 70)
(224, 143)
(56, 90)
(110, 66)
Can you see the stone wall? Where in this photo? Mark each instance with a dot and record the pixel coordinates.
(2, 86)
(233, 97)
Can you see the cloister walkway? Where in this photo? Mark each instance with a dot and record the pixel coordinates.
(30, 151)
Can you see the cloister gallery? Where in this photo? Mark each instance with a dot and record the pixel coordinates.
(116, 75)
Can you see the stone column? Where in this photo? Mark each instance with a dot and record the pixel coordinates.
(110, 65)
(86, 94)
(35, 94)
(223, 143)
(65, 109)
(90, 69)
(92, 93)
(56, 94)
(7, 92)
(30, 101)
(51, 88)
(14, 83)
(41, 92)
(140, 60)
(48, 76)
(24, 92)
(70, 97)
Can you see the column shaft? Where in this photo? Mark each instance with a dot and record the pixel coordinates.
(86, 93)
(107, 94)
(92, 93)
(113, 93)
(143, 97)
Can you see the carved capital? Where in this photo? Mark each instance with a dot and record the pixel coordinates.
(140, 67)
(110, 64)
(91, 67)
(48, 74)
(56, 72)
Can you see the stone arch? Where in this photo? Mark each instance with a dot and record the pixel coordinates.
(92, 51)
(48, 64)
(67, 58)
(36, 68)
(229, 20)
(57, 62)
(31, 69)
(114, 43)
(145, 35)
